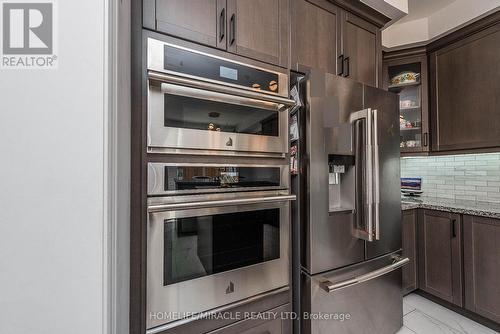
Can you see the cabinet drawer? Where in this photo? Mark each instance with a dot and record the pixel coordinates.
(275, 325)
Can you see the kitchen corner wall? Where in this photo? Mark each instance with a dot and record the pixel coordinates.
(474, 177)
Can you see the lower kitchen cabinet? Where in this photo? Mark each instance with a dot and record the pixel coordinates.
(440, 255)
(275, 325)
(482, 266)
(410, 250)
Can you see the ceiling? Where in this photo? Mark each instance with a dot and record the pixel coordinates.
(431, 19)
(418, 9)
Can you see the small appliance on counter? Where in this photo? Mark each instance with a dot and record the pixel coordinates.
(411, 186)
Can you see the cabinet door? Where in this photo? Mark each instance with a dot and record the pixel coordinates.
(201, 21)
(410, 250)
(440, 259)
(362, 49)
(315, 40)
(259, 29)
(413, 101)
(482, 266)
(465, 93)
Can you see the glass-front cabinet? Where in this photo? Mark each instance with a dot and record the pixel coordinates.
(407, 76)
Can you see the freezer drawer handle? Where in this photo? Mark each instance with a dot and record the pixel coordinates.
(331, 287)
(208, 204)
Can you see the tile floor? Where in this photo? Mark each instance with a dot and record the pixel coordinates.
(421, 316)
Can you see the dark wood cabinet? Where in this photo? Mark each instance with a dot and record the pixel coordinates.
(257, 29)
(328, 37)
(465, 92)
(315, 35)
(440, 255)
(413, 98)
(200, 21)
(410, 250)
(482, 266)
(361, 53)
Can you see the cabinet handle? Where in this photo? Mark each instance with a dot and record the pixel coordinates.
(232, 31)
(426, 139)
(341, 58)
(453, 228)
(222, 24)
(347, 69)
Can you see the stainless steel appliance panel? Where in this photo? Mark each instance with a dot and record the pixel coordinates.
(180, 294)
(388, 172)
(333, 245)
(328, 239)
(369, 293)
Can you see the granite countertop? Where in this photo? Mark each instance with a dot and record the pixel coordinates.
(483, 209)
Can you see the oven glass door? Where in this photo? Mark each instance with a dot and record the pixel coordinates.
(205, 245)
(200, 259)
(182, 117)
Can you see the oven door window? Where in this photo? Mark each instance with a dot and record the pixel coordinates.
(199, 178)
(191, 108)
(205, 245)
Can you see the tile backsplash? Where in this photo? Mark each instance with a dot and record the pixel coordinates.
(474, 177)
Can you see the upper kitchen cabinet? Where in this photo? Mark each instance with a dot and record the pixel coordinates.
(465, 88)
(405, 73)
(200, 21)
(315, 35)
(257, 29)
(327, 35)
(362, 50)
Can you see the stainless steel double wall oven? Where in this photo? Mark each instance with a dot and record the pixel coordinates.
(218, 192)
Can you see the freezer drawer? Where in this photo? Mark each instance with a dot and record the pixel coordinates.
(364, 298)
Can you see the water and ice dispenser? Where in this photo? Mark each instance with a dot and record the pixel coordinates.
(341, 182)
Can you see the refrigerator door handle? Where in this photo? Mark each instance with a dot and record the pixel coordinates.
(376, 176)
(368, 232)
(398, 262)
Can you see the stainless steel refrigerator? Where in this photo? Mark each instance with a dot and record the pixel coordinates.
(349, 207)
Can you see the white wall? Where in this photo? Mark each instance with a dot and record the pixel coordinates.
(449, 18)
(394, 9)
(55, 183)
(409, 32)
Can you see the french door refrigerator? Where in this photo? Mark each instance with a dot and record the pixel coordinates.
(349, 206)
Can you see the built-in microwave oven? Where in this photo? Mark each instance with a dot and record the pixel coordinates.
(205, 104)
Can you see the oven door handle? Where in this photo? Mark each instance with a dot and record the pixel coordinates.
(207, 204)
(284, 103)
